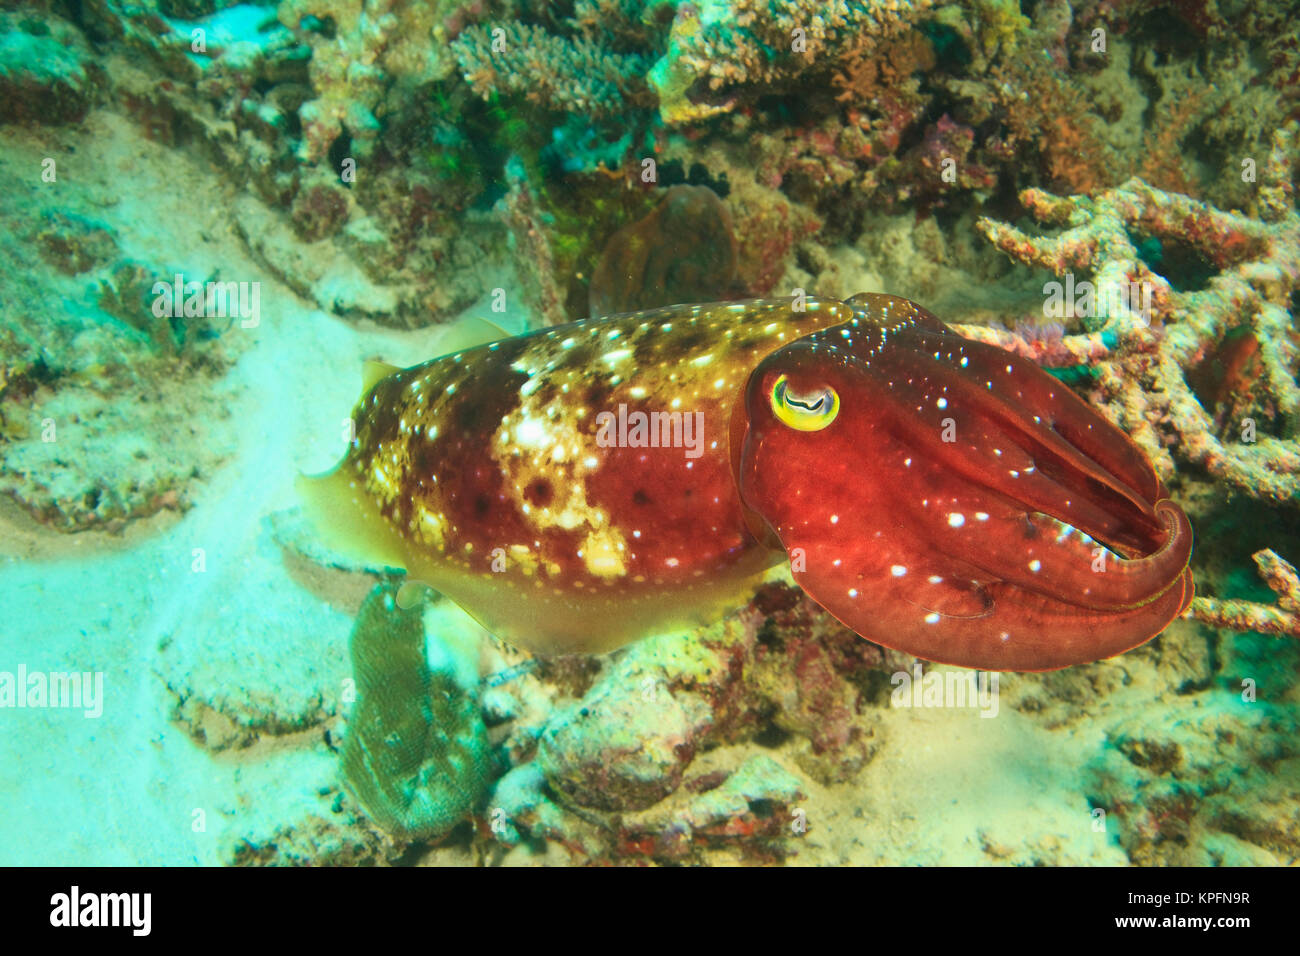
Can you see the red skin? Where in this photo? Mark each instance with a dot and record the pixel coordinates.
(924, 511)
(942, 548)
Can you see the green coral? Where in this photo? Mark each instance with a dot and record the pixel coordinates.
(573, 74)
(416, 755)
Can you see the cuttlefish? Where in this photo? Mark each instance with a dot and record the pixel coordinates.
(582, 486)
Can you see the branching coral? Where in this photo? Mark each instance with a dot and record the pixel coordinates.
(1282, 619)
(1143, 360)
(575, 75)
(1151, 364)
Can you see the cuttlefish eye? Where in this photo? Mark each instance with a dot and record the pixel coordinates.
(806, 412)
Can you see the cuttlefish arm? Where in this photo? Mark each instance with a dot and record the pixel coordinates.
(953, 501)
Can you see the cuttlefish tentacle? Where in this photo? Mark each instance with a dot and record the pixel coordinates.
(582, 486)
(1037, 554)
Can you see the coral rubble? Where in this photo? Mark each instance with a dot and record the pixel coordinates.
(643, 764)
(1143, 356)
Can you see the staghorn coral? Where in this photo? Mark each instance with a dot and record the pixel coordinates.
(1208, 376)
(1142, 363)
(1282, 619)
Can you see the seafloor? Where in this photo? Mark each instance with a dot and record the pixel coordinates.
(388, 176)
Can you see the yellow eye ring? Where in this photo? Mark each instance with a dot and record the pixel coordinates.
(805, 413)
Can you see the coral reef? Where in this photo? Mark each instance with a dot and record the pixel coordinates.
(285, 102)
(367, 57)
(395, 165)
(750, 809)
(46, 74)
(1201, 785)
(1196, 355)
(94, 377)
(1237, 615)
(655, 759)
(534, 259)
(1222, 272)
(571, 75)
(666, 752)
(318, 841)
(718, 50)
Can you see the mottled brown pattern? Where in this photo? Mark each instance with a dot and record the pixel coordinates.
(460, 453)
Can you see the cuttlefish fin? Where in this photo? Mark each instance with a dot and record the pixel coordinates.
(346, 520)
(470, 331)
(465, 333)
(347, 523)
(373, 372)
